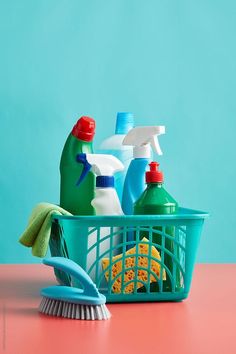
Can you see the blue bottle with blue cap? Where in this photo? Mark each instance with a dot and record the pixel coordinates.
(113, 145)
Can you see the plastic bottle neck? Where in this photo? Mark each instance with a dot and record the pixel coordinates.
(155, 185)
(105, 182)
(81, 141)
(142, 152)
(124, 122)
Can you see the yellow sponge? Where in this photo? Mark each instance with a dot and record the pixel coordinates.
(130, 263)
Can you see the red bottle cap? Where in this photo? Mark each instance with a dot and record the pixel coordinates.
(154, 176)
(84, 129)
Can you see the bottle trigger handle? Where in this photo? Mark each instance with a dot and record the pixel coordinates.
(81, 158)
(155, 144)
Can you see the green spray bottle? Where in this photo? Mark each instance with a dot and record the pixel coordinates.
(77, 199)
(155, 200)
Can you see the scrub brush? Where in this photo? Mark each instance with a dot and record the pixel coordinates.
(71, 302)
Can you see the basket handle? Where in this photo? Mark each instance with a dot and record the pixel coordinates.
(70, 267)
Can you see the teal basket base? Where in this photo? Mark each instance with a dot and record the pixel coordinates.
(160, 297)
(161, 264)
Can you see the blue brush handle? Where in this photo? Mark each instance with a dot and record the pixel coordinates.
(72, 268)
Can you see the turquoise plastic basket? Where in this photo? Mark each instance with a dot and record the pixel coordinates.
(140, 274)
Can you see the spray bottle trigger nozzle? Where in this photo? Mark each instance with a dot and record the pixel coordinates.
(155, 144)
(81, 158)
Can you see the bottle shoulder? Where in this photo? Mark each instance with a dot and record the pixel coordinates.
(135, 177)
(72, 147)
(139, 164)
(104, 192)
(156, 196)
(114, 142)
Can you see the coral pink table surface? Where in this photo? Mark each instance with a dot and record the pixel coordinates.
(204, 323)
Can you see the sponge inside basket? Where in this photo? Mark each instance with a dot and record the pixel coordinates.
(133, 272)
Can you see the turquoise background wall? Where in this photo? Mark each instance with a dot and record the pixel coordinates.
(169, 62)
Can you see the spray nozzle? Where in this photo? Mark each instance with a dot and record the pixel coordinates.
(102, 165)
(154, 142)
(141, 138)
(81, 158)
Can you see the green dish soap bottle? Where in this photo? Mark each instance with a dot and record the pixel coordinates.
(77, 199)
(155, 200)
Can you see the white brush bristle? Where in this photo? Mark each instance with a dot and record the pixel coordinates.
(64, 309)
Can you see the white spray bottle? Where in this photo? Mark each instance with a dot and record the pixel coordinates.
(106, 202)
(142, 139)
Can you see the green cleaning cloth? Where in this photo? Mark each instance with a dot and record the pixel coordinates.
(38, 231)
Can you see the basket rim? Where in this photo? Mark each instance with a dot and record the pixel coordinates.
(183, 213)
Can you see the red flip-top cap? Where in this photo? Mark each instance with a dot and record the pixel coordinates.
(154, 176)
(84, 129)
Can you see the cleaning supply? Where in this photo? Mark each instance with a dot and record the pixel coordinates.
(70, 302)
(155, 200)
(135, 267)
(77, 200)
(105, 202)
(142, 139)
(113, 145)
(38, 231)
